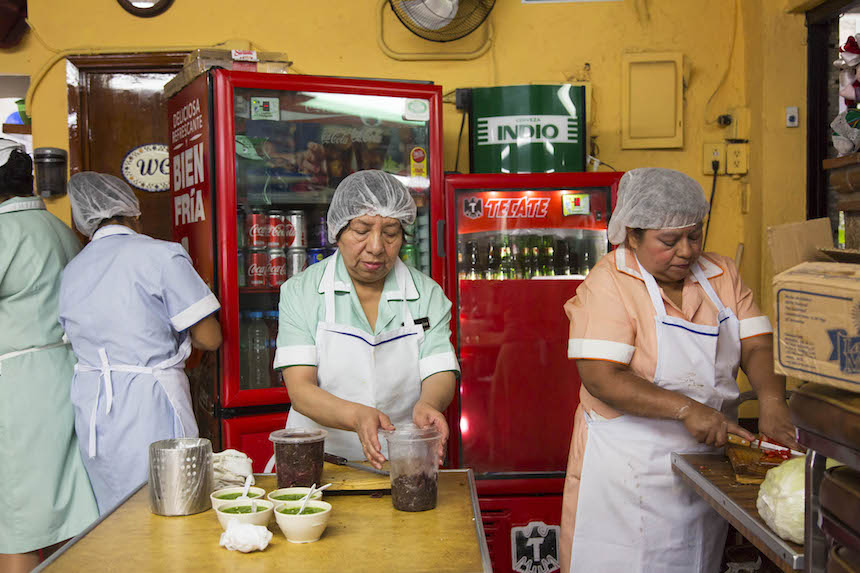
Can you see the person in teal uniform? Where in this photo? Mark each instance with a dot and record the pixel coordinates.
(364, 340)
(47, 496)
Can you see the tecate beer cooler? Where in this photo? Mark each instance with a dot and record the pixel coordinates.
(254, 161)
(523, 244)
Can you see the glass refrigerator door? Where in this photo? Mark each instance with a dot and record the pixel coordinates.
(292, 149)
(521, 253)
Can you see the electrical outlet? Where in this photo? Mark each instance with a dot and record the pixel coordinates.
(714, 152)
(737, 158)
(792, 117)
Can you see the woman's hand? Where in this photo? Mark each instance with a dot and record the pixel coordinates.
(425, 416)
(774, 421)
(366, 423)
(708, 425)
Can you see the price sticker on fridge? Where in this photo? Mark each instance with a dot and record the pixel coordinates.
(575, 204)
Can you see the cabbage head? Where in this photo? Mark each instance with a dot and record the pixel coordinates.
(781, 498)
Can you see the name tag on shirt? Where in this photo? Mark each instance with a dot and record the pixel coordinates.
(424, 322)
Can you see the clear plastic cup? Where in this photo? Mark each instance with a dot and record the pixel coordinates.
(414, 456)
(298, 456)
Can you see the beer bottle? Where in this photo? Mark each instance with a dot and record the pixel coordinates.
(518, 263)
(494, 264)
(562, 258)
(586, 265)
(546, 256)
(461, 259)
(532, 255)
(473, 271)
(507, 270)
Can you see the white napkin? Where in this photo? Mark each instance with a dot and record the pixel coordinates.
(230, 467)
(245, 537)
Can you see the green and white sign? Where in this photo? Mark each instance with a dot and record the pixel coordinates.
(528, 129)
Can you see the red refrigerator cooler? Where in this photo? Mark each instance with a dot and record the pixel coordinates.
(523, 244)
(254, 161)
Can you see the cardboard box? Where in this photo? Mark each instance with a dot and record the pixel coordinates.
(198, 61)
(817, 312)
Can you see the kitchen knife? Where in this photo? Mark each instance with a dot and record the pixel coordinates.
(333, 459)
(762, 445)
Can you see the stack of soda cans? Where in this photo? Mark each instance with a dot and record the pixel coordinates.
(272, 246)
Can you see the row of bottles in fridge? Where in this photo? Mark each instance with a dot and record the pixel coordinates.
(526, 255)
(258, 336)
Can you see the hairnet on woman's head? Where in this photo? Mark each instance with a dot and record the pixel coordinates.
(97, 196)
(656, 198)
(370, 192)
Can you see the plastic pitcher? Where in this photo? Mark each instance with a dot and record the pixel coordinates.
(414, 456)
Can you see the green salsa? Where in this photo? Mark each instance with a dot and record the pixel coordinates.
(289, 496)
(243, 509)
(295, 510)
(236, 494)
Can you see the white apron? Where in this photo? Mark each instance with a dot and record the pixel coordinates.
(170, 375)
(634, 514)
(379, 371)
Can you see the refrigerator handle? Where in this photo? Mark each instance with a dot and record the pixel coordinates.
(440, 237)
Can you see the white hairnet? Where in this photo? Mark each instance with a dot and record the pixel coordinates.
(97, 196)
(656, 198)
(369, 192)
(6, 147)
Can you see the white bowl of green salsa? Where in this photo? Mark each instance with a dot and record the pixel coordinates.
(241, 510)
(305, 527)
(291, 494)
(226, 495)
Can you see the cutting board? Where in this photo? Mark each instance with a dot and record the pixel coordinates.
(346, 479)
(747, 465)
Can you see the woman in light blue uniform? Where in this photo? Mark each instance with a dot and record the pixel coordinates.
(132, 307)
(46, 494)
(363, 339)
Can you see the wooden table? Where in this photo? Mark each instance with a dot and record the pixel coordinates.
(365, 533)
(711, 475)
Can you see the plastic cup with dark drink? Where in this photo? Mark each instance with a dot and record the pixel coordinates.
(298, 456)
(414, 456)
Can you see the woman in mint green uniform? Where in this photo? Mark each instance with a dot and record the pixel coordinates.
(46, 493)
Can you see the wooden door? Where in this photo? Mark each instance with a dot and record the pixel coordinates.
(116, 105)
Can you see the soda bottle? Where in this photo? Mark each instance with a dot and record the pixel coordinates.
(561, 264)
(546, 256)
(258, 351)
(473, 270)
(494, 265)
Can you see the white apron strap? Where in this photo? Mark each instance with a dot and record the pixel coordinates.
(706, 284)
(105, 370)
(31, 204)
(402, 274)
(8, 355)
(328, 287)
(653, 290)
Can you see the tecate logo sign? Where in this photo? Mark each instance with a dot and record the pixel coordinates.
(522, 208)
(525, 129)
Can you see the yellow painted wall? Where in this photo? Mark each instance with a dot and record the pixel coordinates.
(764, 68)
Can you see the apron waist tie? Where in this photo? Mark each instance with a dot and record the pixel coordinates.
(16, 353)
(105, 374)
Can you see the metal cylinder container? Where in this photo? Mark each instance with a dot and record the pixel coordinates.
(180, 476)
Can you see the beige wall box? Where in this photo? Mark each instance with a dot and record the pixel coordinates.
(652, 100)
(817, 309)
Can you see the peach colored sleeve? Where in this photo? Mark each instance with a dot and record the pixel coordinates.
(753, 321)
(600, 325)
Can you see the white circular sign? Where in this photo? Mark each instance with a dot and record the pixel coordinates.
(147, 167)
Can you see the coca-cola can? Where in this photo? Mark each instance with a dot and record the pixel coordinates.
(256, 229)
(276, 269)
(257, 261)
(296, 231)
(297, 260)
(243, 270)
(277, 230)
